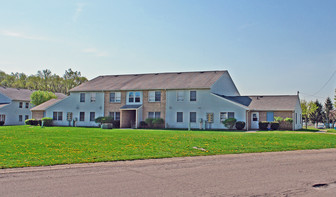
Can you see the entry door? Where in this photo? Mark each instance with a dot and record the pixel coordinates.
(255, 120)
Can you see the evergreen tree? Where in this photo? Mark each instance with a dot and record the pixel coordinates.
(328, 106)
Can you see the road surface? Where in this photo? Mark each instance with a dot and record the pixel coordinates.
(293, 173)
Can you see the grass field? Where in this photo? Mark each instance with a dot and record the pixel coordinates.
(22, 146)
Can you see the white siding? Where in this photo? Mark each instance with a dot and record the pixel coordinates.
(225, 86)
(206, 103)
(298, 111)
(72, 104)
(12, 112)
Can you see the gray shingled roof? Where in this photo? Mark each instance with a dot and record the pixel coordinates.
(266, 102)
(45, 105)
(181, 80)
(17, 94)
(274, 102)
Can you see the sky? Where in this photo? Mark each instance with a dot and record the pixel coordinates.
(269, 47)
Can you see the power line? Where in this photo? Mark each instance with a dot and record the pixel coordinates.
(325, 83)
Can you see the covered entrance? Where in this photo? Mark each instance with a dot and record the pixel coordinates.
(130, 116)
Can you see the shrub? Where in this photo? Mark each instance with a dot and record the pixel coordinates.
(47, 121)
(107, 126)
(278, 119)
(229, 123)
(143, 124)
(275, 125)
(158, 121)
(240, 125)
(102, 119)
(149, 122)
(116, 123)
(289, 120)
(33, 122)
(2, 123)
(263, 125)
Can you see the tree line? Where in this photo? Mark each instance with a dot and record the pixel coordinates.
(44, 80)
(316, 112)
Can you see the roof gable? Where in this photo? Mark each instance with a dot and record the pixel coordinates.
(274, 102)
(181, 80)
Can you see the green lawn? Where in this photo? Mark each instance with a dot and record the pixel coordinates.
(35, 146)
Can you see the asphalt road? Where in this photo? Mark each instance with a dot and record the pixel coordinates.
(291, 173)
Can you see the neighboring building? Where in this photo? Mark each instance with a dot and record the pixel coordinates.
(15, 105)
(184, 100)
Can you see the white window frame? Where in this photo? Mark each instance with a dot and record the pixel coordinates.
(93, 97)
(155, 115)
(117, 97)
(94, 117)
(114, 115)
(180, 96)
(135, 95)
(225, 115)
(190, 95)
(83, 116)
(57, 116)
(177, 117)
(80, 97)
(2, 117)
(152, 96)
(195, 117)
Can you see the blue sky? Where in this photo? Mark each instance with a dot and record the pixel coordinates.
(268, 47)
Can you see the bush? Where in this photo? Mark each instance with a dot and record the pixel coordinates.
(102, 119)
(149, 122)
(107, 126)
(2, 123)
(47, 121)
(116, 123)
(240, 125)
(158, 121)
(263, 125)
(289, 120)
(33, 122)
(143, 124)
(275, 125)
(278, 119)
(229, 123)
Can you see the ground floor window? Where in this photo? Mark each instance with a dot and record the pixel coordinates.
(20, 118)
(2, 117)
(58, 115)
(154, 115)
(115, 115)
(179, 117)
(92, 116)
(26, 117)
(226, 115)
(192, 116)
(81, 116)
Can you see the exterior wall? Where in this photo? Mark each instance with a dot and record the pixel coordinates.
(205, 103)
(283, 114)
(113, 107)
(12, 112)
(154, 106)
(225, 86)
(297, 120)
(4, 99)
(72, 104)
(38, 115)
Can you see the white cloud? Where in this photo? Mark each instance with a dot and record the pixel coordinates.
(79, 9)
(21, 35)
(95, 52)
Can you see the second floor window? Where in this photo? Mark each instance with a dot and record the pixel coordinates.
(180, 95)
(20, 105)
(134, 97)
(192, 95)
(115, 97)
(154, 96)
(82, 97)
(93, 97)
(27, 105)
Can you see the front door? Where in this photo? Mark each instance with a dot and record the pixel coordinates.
(255, 120)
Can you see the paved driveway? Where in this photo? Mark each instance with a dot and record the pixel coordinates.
(261, 174)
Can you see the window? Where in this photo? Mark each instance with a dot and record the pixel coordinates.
(115, 97)
(20, 118)
(270, 116)
(231, 115)
(134, 97)
(115, 115)
(20, 105)
(69, 116)
(192, 116)
(295, 118)
(2, 117)
(209, 117)
(27, 105)
(180, 95)
(226, 115)
(57, 115)
(154, 96)
(81, 116)
(93, 97)
(26, 117)
(179, 117)
(192, 95)
(82, 97)
(92, 116)
(300, 118)
(154, 115)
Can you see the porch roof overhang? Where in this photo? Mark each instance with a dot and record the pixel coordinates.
(130, 107)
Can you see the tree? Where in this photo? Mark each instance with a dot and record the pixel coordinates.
(317, 116)
(39, 97)
(328, 106)
(72, 79)
(332, 117)
(307, 110)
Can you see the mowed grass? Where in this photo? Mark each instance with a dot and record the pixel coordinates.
(22, 146)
